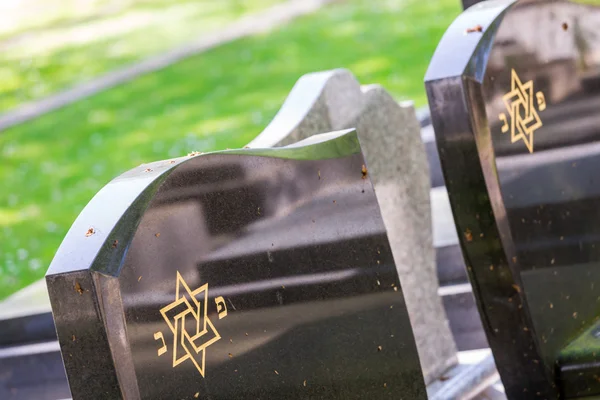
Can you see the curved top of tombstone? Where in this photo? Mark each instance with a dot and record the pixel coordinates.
(111, 208)
(313, 105)
(514, 89)
(464, 49)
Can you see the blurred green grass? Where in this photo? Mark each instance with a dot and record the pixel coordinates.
(65, 44)
(54, 165)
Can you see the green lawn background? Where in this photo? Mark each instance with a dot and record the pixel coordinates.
(52, 166)
(73, 44)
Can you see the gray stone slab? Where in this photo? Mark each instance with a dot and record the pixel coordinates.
(397, 164)
(319, 102)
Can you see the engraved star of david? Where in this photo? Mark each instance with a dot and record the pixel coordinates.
(524, 118)
(193, 331)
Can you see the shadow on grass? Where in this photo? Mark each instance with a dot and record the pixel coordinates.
(222, 98)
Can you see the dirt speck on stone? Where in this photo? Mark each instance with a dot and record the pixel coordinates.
(468, 235)
(78, 288)
(476, 28)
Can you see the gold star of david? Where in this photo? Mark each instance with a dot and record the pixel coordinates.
(524, 118)
(193, 331)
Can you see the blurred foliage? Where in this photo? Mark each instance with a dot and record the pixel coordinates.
(54, 165)
(70, 41)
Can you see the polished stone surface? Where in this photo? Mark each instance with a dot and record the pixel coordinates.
(240, 274)
(514, 91)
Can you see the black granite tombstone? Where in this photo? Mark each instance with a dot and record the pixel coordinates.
(252, 273)
(514, 90)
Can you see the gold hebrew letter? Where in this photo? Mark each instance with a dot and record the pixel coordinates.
(502, 118)
(220, 301)
(163, 349)
(541, 100)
